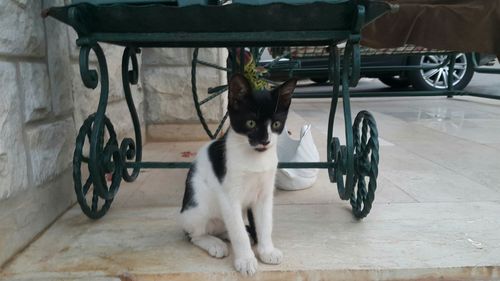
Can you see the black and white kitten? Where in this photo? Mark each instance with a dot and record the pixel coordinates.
(236, 173)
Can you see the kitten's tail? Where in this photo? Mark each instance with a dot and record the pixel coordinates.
(251, 226)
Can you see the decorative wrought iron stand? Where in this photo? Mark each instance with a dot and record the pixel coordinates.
(353, 166)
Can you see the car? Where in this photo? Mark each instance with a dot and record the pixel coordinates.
(374, 65)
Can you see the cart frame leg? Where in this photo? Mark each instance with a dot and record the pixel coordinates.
(107, 159)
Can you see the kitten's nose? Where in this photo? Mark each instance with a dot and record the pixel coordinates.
(266, 142)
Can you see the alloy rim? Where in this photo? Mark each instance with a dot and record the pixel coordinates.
(438, 78)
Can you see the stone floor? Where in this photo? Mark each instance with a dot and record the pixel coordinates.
(435, 217)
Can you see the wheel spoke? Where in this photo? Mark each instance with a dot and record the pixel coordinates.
(460, 66)
(86, 186)
(211, 97)
(434, 59)
(428, 64)
(436, 81)
(445, 77)
(430, 73)
(95, 199)
(221, 124)
(456, 75)
(213, 65)
(217, 90)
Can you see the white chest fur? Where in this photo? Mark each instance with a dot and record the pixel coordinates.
(249, 173)
(241, 157)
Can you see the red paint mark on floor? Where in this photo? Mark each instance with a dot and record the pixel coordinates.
(187, 154)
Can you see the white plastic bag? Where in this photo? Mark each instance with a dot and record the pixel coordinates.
(301, 150)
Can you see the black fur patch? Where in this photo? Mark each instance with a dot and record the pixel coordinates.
(188, 201)
(217, 155)
(251, 226)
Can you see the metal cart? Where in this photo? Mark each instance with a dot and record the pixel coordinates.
(353, 166)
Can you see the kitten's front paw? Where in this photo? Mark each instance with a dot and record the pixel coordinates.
(273, 256)
(246, 266)
(218, 250)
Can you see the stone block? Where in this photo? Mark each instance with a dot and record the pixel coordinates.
(169, 96)
(119, 115)
(114, 60)
(85, 100)
(59, 63)
(51, 149)
(26, 214)
(211, 55)
(74, 50)
(162, 87)
(13, 169)
(34, 82)
(22, 28)
(113, 55)
(167, 56)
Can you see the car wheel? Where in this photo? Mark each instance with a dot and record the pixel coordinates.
(437, 79)
(320, 80)
(395, 81)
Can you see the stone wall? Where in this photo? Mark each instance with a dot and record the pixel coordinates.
(43, 103)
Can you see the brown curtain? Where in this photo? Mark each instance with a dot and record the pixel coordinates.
(460, 25)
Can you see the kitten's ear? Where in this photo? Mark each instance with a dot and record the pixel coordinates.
(239, 88)
(284, 93)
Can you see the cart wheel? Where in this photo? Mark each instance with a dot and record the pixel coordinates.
(95, 201)
(213, 124)
(366, 159)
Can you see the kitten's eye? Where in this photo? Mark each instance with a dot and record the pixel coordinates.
(276, 124)
(251, 124)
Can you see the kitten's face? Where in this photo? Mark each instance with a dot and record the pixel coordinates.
(259, 115)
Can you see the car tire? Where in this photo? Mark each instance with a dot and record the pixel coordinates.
(320, 80)
(395, 81)
(437, 79)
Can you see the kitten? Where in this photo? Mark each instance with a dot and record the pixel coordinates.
(236, 173)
